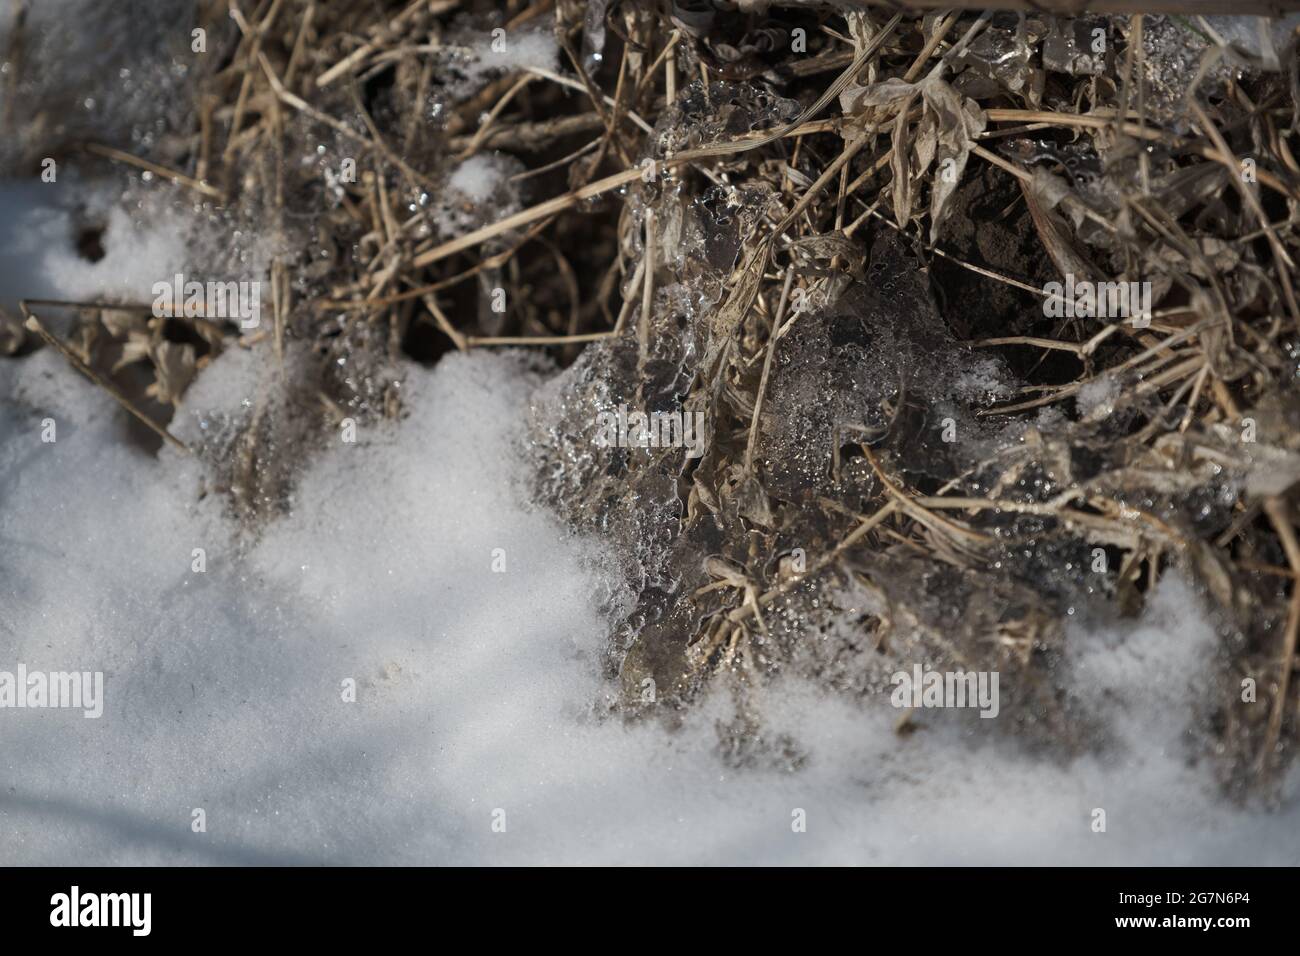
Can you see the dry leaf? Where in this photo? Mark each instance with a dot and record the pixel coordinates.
(134, 349)
(949, 126)
(899, 165)
(174, 366)
(954, 123)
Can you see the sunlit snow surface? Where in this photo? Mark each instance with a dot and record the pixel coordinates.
(477, 690)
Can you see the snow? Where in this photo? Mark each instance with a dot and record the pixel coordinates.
(1097, 397)
(479, 55)
(520, 50)
(38, 223)
(148, 234)
(477, 690)
(480, 177)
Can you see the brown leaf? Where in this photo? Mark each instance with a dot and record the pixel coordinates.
(899, 165)
(174, 366)
(956, 123)
(136, 348)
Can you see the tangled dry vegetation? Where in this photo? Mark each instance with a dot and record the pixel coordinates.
(830, 231)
